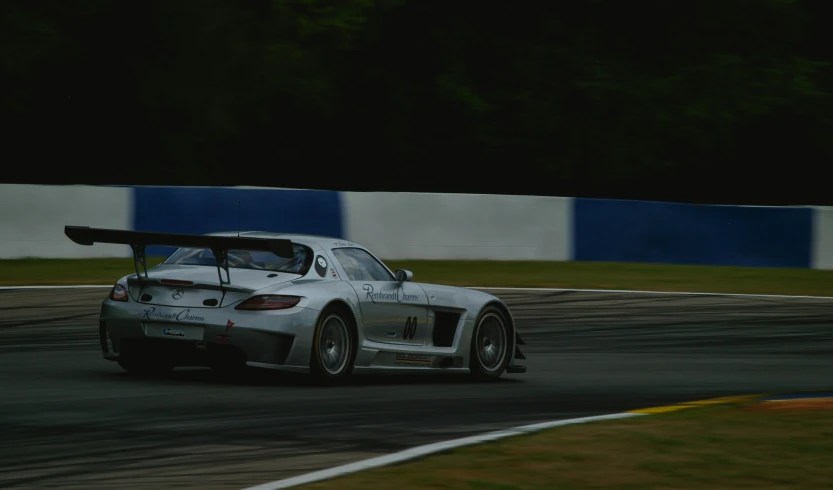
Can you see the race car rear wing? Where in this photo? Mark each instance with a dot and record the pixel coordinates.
(139, 240)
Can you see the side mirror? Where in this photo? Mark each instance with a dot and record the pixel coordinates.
(402, 275)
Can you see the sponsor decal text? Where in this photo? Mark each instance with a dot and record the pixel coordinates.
(179, 316)
(397, 295)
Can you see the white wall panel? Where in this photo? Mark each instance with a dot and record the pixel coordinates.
(823, 238)
(32, 219)
(459, 226)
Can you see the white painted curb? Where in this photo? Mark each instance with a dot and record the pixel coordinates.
(428, 449)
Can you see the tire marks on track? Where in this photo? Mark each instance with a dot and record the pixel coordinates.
(73, 420)
(584, 322)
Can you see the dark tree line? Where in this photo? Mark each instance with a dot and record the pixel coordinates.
(704, 101)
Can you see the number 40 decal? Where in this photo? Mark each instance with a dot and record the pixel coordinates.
(410, 328)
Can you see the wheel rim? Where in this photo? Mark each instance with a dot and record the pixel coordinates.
(334, 345)
(491, 342)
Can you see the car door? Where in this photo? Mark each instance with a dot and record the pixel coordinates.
(393, 312)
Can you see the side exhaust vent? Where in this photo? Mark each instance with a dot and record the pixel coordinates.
(445, 328)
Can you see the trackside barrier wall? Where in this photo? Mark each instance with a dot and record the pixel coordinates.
(211, 209)
(459, 226)
(427, 226)
(32, 219)
(823, 238)
(672, 233)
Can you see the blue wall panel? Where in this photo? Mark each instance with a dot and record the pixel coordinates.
(207, 210)
(646, 231)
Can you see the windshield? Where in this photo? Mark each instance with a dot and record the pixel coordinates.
(244, 259)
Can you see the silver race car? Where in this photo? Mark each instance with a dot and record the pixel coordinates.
(300, 303)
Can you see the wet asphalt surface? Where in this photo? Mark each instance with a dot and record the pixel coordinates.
(70, 419)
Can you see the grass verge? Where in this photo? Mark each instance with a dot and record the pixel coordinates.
(725, 446)
(580, 275)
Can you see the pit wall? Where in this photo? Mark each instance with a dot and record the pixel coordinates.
(427, 226)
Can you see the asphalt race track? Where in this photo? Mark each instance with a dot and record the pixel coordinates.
(69, 419)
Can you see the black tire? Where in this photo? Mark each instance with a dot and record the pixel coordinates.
(333, 346)
(146, 366)
(487, 359)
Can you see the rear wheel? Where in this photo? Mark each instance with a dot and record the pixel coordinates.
(333, 347)
(489, 345)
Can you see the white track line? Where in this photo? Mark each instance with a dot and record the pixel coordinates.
(543, 290)
(428, 449)
(631, 291)
(56, 287)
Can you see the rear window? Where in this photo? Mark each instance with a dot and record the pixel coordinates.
(245, 259)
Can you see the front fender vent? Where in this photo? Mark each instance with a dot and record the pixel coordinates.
(445, 328)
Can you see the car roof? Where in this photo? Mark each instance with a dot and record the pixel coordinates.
(322, 241)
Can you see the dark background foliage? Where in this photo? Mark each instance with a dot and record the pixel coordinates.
(723, 101)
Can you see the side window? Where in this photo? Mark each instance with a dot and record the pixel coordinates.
(360, 265)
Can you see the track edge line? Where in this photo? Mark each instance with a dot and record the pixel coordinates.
(494, 288)
(56, 286)
(430, 449)
(438, 447)
(636, 291)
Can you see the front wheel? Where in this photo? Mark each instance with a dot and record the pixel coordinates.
(333, 347)
(489, 345)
